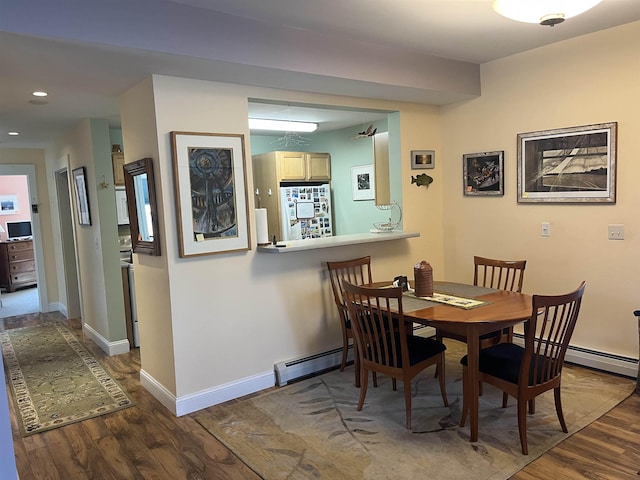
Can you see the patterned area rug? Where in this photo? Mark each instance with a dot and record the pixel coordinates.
(54, 380)
(311, 429)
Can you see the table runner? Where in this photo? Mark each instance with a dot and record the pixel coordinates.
(411, 303)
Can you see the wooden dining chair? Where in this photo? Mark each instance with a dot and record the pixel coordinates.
(499, 274)
(385, 343)
(526, 372)
(356, 271)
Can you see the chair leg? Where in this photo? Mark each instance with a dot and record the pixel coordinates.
(556, 396)
(394, 384)
(375, 379)
(439, 339)
(505, 399)
(345, 348)
(465, 397)
(522, 425)
(532, 406)
(407, 402)
(364, 380)
(356, 364)
(480, 389)
(441, 377)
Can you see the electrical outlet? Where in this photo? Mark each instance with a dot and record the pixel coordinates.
(545, 229)
(616, 232)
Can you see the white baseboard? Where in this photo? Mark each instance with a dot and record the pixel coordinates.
(111, 348)
(205, 398)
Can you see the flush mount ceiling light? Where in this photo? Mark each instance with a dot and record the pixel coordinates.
(39, 94)
(13, 134)
(281, 125)
(544, 12)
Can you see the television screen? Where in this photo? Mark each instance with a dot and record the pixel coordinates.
(18, 229)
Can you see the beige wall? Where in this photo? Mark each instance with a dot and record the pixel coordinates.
(587, 80)
(232, 316)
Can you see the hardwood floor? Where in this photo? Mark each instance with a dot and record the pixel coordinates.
(148, 442)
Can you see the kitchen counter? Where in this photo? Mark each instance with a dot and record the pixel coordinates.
(337, 241)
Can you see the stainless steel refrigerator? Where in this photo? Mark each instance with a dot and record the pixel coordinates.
(305, 210)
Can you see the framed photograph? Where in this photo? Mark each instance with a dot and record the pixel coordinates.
(568, 165)
(82, 197)
(211, 193)
(423, 159)
(8, 204)
(483, 173)
(362, 183)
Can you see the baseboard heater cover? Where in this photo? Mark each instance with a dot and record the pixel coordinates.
(289, 371)
(607, 362)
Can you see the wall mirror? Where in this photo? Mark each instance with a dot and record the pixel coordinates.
(141, 202)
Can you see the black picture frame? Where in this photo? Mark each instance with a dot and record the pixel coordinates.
(483, 173)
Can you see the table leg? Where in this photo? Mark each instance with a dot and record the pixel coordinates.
(473, 348)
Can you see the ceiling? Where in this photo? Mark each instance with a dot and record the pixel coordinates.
(86, 54)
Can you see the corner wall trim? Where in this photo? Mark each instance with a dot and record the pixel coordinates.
(155, 388)
(111, 348)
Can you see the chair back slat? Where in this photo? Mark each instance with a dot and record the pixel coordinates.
(378, 323)
(500, 274)
(548, 333)
(356, 271)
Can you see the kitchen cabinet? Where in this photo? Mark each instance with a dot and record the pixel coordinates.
(297, 166)
(117, 159)
(122, 212)
(272, 168)
(17, 264)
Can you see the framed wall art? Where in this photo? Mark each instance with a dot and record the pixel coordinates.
(362, 183)
(211, 193)
(423, 159)
(8, 204)
(483, 173)
(568, 165)
(82, 197)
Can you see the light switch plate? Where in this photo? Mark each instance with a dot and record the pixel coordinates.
(545, 229)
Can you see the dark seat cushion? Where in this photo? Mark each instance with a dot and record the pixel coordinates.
(503, 361)
(420, 349)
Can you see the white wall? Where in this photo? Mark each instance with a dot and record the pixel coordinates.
(587, 80)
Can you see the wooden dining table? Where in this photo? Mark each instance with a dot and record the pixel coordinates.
(500, 309)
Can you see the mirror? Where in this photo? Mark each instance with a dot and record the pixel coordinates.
(141, 202)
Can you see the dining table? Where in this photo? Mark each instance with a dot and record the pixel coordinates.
(472, 311)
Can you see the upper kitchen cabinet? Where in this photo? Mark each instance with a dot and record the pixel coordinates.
(297, 166)
(118, 168)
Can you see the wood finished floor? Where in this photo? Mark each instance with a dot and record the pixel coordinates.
(148, 442)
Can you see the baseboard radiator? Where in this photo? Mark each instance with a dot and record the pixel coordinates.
(299, 368)
(607, 362)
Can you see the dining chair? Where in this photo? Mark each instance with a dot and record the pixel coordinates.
(498, 274)
(385, 343)
(526, 372)
(356, 271)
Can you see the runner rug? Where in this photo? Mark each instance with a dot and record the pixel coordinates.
(311, 429)
(54, 380)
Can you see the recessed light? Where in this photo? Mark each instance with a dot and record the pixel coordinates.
(13, 134)
(40, 94)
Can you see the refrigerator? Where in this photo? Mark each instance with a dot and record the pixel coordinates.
(305, 210)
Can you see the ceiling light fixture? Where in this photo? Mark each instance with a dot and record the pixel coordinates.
(13, 134)
(544, 12)
(39, 94)
(281, 125)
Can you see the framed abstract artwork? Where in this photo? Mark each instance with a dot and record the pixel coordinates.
(211, 193)
(362, 183)
(423, 159)
(483, 173)
(568, 165)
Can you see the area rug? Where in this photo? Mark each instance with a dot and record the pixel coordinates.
(311, 429)
(54, 380)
